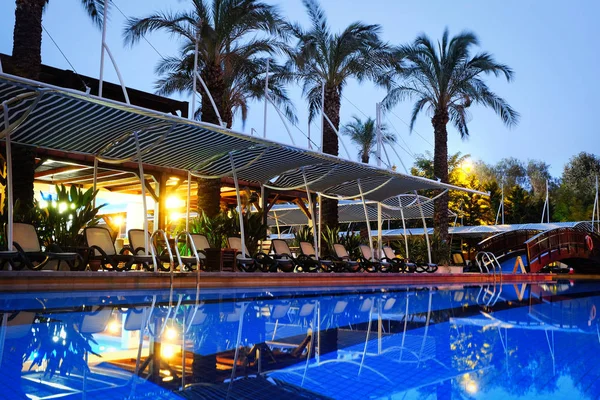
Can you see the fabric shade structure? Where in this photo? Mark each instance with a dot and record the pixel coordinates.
(66, 120)
(352, 211)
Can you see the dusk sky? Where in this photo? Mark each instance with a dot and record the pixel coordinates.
(551, 45)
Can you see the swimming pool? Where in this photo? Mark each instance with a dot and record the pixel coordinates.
(491, 341)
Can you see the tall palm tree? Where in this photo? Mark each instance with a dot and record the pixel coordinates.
(235, 38)
(364, 135)
(445, 79)
(27, 62)
(322, 57)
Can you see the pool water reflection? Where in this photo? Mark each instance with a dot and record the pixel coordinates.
(444, 342)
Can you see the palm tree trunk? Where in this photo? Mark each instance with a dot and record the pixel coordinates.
(440, 170)
(26, 62)
(209, 190)
(331, 146)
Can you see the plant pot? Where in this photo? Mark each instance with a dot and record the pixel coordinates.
(220, 259)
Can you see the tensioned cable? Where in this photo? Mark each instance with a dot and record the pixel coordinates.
(65, 57)
(415, 131)
(408, 150)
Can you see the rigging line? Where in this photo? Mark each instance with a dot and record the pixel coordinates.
(87, 88)
(415, 131)
(355, 106)
(143, 37)
(399, 135)
(294, 125)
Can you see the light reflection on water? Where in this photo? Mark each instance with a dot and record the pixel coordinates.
(445, 342)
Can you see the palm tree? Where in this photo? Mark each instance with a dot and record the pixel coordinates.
(27, 62)
(331, 59)
(364, 135)
(235, 38)
(445, 79)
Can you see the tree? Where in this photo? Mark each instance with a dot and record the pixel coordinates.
(235, 38)
(321, 57)
(445, 79)
(27, 62)
(364, 135)
(575, 196)
(472, 209)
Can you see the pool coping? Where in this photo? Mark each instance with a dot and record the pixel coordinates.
(19, 281)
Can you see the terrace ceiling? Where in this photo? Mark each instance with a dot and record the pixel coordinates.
(65, 120)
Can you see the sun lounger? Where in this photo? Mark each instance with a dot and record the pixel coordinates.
(136, 242)
(309, 254)
(102, 248)
(201, 244)
(370, 262)
(27, 244)
(250, 263)
(343, 258)
(397, 264)
(286, 262)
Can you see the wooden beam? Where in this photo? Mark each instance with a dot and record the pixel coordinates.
(60, 170)
(303, 207)
(150, 190)
(272, 203)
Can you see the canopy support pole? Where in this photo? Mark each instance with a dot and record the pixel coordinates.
(500, 207)
(546, 210)
(212, 101)
(338, 135)
(379, 234)
(277, 224)
(189, 199)
(144, 205)
(312, 214)
(194, 84)
(9, 181)
(404, 229)
(362, 198)
(378, 131)
(95, 181)
(320, 234)
(239, 203)
(266, 100)
(322, 115)
(424, 228)
(112, 59)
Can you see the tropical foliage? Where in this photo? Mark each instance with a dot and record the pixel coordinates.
(235, 38)
(364, 135)
(445, 79)
(323, 62)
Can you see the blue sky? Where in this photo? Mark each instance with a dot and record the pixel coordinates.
(551, 45)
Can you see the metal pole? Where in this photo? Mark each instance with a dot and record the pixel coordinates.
(404, 228)
(338, 136)
(95, 182)
(104, 18)
(379, 235)
(322, 115)
(239, 203)
(277, 224)
(144, 205)
(9, 181)
(366, 216)
(424, 228)
(502, 203)
(312, 213)
(194, 92)
(266, 100)
(212, 101)
(378, 131)
(189, 199)
(320, 234)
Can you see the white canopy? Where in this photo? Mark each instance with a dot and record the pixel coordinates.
(50, 117)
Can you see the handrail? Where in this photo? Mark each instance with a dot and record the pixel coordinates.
(166, 239)
(189, 242)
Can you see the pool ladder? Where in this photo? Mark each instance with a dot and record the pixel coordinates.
(488, 263)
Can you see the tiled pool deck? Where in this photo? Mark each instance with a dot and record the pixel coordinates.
(11, 281)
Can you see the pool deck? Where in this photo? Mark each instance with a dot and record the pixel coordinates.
(33, 281)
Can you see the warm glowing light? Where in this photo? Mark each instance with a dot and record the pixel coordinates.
(471, 387)
(114, 327)
(467, 165)
(174, 202)
(168, 351)
(171, 333)
(118, 220)
(62, 207)
(43, 204)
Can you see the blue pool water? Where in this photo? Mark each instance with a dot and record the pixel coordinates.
(444, 342)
